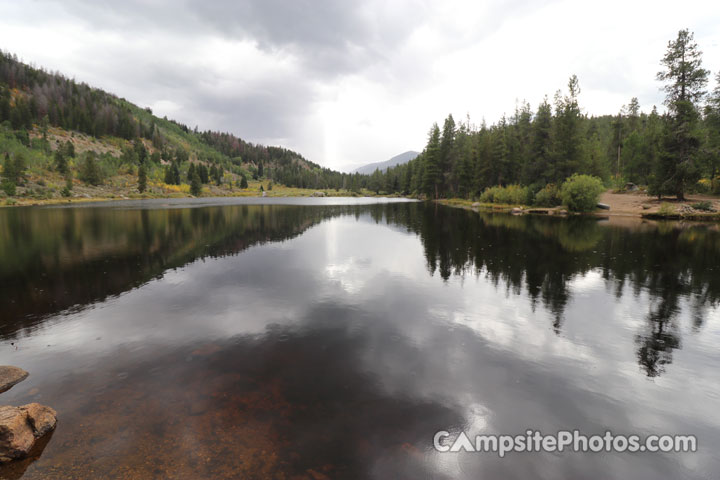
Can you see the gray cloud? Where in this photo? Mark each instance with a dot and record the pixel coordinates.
(331, 36)
(351, 82)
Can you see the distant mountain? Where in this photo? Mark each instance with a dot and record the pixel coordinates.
(396, 160)
(349, 167)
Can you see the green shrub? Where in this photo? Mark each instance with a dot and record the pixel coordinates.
(488, 196)
(702, 186)
(511, 195)
(581, 192)
(666, 209)
(549, 196)
(14, 168)
(8, 186)
(705, 206)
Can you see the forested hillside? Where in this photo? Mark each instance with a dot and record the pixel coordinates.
(50, 123)
(670, 153)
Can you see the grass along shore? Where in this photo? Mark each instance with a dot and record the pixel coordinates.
(45, 190)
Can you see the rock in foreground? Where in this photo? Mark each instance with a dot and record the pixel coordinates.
(42, 419)
(10, 376)
(16, 434)
(21, 426)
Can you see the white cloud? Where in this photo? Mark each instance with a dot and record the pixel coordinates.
(355, 84)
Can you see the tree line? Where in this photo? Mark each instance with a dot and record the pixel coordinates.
(669, 152)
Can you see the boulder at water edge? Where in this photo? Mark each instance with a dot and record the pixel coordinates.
(21, 426)
(10, 376)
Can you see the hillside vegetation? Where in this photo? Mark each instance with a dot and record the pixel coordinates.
(64, 139)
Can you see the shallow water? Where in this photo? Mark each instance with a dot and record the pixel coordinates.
(326, 338)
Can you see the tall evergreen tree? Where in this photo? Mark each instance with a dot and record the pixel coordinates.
(569, 134)
(446, 152)
(538, 169)
(432, 175)
(712, 134)
(90, 171)
(195, 184)
(60, 161)
(142, 178)
(685, 81)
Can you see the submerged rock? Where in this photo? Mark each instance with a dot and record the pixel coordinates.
(10, 376)
(21, 426)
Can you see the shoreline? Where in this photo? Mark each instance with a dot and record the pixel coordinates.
(34, 202)
(628, 205)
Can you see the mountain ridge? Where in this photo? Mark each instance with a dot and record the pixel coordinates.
(399, 159)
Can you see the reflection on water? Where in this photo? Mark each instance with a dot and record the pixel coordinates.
(332, 341)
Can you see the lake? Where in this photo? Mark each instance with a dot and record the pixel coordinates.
(332, 338)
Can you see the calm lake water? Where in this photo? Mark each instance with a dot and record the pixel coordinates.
(331, 338)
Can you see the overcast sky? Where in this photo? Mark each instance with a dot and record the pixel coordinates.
(351, 82)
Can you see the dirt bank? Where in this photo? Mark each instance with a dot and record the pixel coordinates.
(638, 203)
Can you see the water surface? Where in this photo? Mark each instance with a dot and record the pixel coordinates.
(326, 338)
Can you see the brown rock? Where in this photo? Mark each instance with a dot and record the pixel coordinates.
(16, 435)
(10, 376)
(42, 419)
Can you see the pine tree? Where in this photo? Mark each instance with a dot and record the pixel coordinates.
(195, 184)
(569, 134)
(445, 154)
(202, 171)
(60, 161)
(9, 176)
(243, 182)
(685, 80)
(69, 149)
(169, 177)
(432, 174)
(67, 191)
(175, 170)
(90, 172)
(140, 151)
(712, 133)
(142, 178)
(538, 168)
